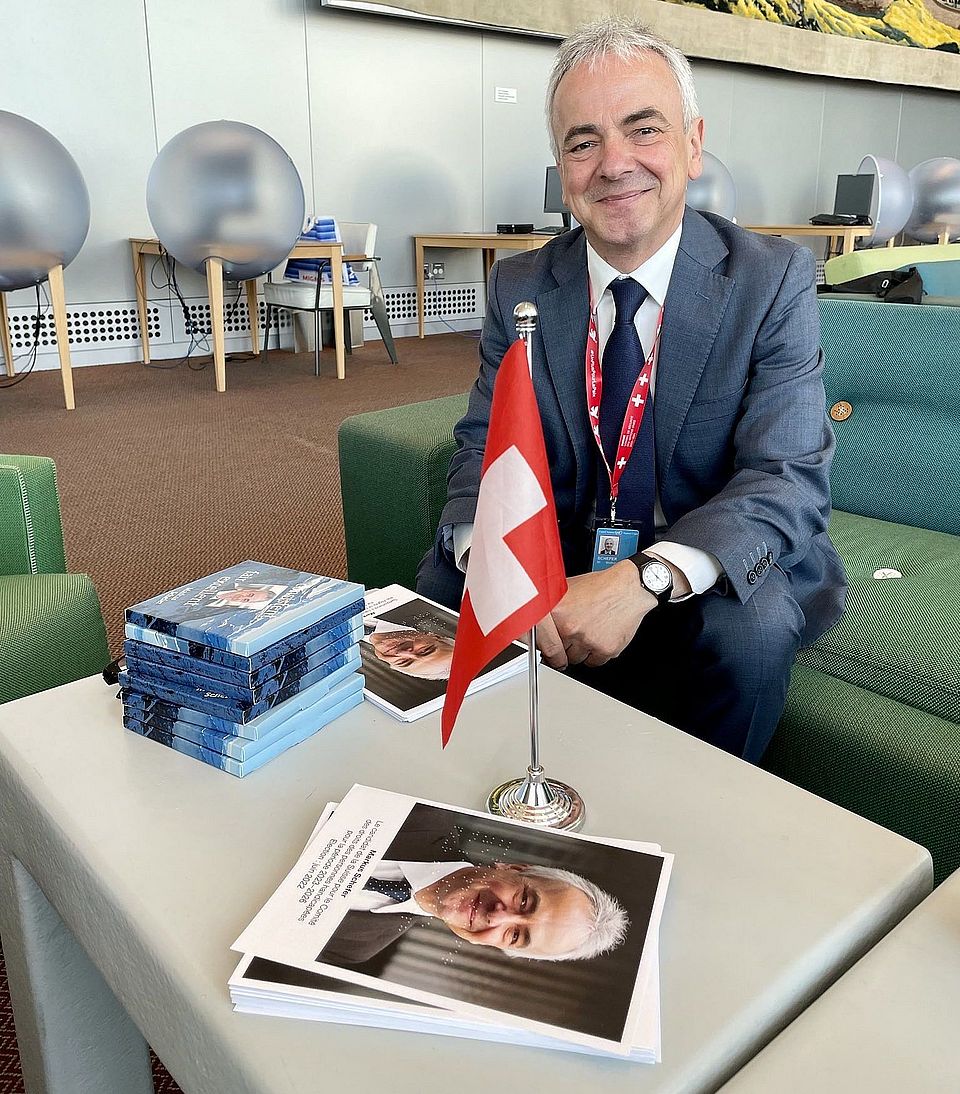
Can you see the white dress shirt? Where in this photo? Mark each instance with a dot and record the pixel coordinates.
(701, 568)
(418, 874)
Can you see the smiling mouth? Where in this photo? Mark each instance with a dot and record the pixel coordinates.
(629, 195)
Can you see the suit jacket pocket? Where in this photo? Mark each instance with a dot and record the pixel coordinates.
(724, 406)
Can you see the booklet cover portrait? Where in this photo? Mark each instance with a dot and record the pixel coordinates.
(570, 960)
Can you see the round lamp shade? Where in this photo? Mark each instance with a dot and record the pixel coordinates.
(892, 197)
(226, 190)
(44, 205)
(714, 191)
(936, 200)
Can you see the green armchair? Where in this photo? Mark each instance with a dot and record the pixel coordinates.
(51, 629)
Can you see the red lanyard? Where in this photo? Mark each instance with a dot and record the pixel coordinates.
(636, 404)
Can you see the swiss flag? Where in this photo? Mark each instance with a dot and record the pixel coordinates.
(515, 569)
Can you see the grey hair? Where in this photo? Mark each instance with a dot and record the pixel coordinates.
(609, 922)
(622, 38)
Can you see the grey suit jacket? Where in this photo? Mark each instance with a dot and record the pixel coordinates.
(743, 443)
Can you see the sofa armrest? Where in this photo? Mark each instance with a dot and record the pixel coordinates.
(31, 535)
(393, 481)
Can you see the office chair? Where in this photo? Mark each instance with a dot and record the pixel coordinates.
(359, 239)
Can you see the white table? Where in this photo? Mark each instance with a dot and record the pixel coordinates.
(155, 862)
(888, 1026)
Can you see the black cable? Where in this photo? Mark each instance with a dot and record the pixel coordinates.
(12, 381)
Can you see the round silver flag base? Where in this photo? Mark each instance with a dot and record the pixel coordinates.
(544, 802)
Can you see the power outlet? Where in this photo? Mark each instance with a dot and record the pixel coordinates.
(437, 271)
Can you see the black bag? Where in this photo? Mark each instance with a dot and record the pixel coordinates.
(894, 286)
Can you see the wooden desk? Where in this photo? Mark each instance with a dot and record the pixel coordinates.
(844, 235)
(58, 303)
(488, 242)
(304, 249)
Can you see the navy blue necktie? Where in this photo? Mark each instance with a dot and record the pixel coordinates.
(622, 362)
(398, 891)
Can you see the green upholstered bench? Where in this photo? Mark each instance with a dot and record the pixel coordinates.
(51, 629)
(873, 714)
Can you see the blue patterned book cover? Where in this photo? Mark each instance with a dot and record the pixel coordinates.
(246, 767)
(294, 729)
(161, 660)
(145, 706)
(234, 660)
(245, 608)
(289, 672)
(214, 701)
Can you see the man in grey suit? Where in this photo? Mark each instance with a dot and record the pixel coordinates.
(724, 485)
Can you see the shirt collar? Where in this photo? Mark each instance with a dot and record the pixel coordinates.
(654, 274)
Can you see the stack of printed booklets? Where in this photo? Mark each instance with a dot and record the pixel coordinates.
(237, 667)
(408, 914)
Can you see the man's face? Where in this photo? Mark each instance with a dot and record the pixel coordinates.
(504, 907)
(245, 598)
(413, 651)
(624, 156)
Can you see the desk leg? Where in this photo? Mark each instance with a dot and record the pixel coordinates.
(74, 1036)
(336, 275)
(848, 243)
(6, 346)
(944, 237)
(254, 316)
(215, 295)
(489, 257)
(60, 325)
(140, 287)
(421, 295)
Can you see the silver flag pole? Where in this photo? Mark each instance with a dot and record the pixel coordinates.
(535, 798)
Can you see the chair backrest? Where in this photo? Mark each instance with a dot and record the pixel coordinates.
(358, 238)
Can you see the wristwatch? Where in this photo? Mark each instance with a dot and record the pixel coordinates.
(656, 577)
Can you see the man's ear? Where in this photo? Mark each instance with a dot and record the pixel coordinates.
(695, 162)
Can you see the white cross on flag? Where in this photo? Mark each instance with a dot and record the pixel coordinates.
(515, 571)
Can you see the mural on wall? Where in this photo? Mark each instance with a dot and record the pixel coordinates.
(929, 24)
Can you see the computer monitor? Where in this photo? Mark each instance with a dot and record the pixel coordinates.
(854, 194)
(553, 196)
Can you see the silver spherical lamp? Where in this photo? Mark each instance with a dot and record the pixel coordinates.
(892, 198)
(936, 200)
(714, 191)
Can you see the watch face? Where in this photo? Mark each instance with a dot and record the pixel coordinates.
(656, 577)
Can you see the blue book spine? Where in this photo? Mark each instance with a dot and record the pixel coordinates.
(146, 670)
(246, 767)
(294, 729)
(169, 662)
(140, 703)
(245, 608)
(214, 701)
(352, 612)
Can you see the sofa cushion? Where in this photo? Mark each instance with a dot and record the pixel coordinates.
(899, 636)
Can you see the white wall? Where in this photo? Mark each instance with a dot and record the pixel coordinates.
(389, 120)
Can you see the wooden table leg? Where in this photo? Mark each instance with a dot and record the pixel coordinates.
(489, 257)
(421, 295)
(336, 277)
(254, 311)
(6, 346)
(944, 236)
(215, 295)
(60, 325)
(140, 286)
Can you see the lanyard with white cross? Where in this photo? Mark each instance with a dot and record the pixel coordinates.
(636, 404)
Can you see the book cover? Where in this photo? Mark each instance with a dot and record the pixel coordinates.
(296, 728)
(238, 661)
(245, 608)
(240, 768)
(148, 707)
(146, 670)
(407, 651)
(542, 934)
(214, 701)
(332, 642)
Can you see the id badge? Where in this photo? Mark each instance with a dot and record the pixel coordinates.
(613, 542)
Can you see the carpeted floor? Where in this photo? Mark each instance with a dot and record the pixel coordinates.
(163, 480)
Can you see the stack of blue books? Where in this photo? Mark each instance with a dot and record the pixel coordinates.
(235, 668)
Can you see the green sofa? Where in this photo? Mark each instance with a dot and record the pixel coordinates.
(872, 720)
(51, 629)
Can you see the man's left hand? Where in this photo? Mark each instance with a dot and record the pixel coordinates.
(599, 615)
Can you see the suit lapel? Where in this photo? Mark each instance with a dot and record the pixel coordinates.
(564, 318)
(696, 301)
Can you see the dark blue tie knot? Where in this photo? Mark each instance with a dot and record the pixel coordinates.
(628, 295)
(398, 891)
